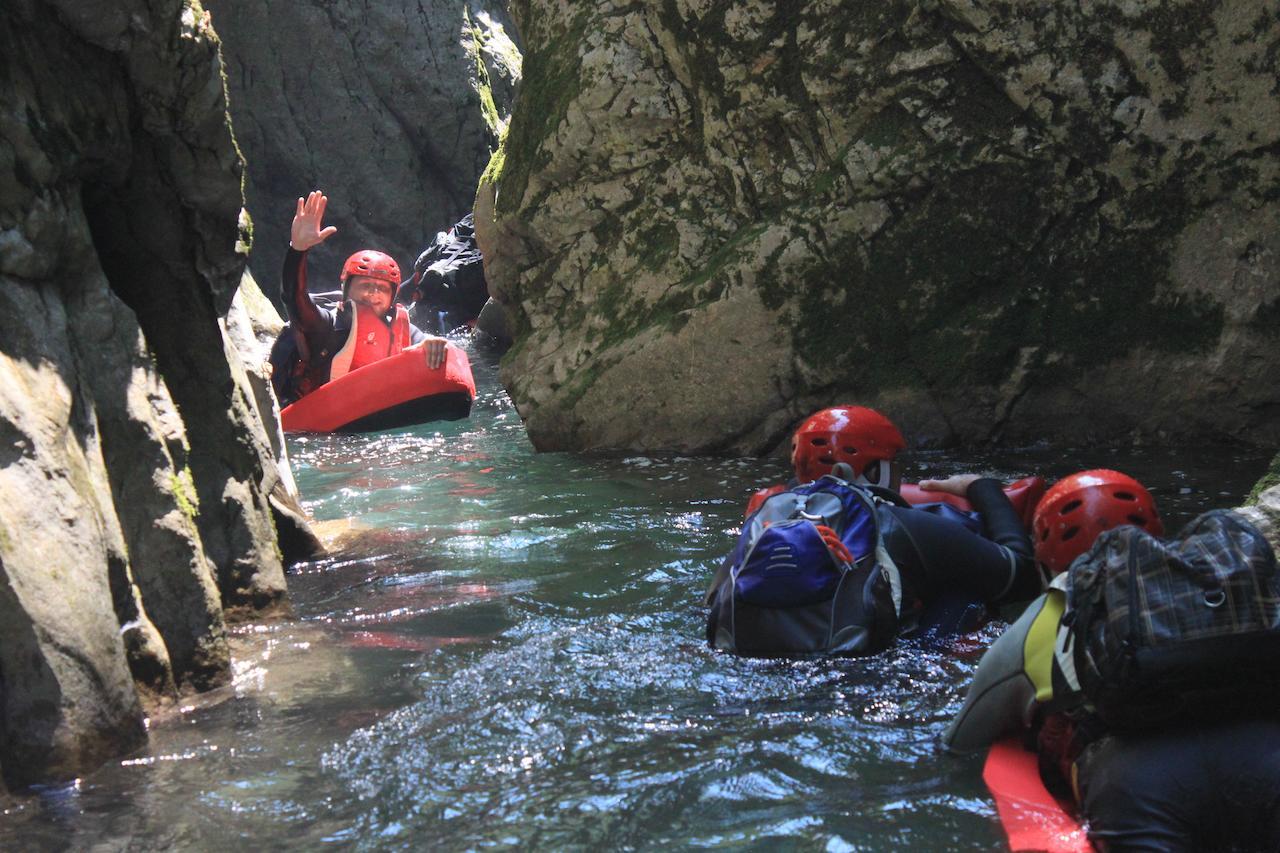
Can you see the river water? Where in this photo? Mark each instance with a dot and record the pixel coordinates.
(508, 652)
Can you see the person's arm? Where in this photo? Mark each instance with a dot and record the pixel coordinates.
(1010, 573)
(303, 313)
(1002, 696)
(1003, 526)
(305, 232)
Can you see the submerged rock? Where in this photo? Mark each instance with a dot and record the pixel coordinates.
(391, 108)
(134, 485)
(989, 219)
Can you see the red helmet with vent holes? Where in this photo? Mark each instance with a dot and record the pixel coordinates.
(1079, 507)
(853, 434)
(373, 264)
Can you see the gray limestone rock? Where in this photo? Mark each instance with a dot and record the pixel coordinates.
(1269, 479)
(146, 452)
(68, 701)
(136, 470)
(252, 326)
(391, 108)
(993, 220)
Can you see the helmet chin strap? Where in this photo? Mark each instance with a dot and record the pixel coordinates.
(844, 471)
(884, 474)
(884, 478)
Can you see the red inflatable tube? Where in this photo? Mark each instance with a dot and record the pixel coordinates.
(1024, 494)
(395, 392)
(1032, 818)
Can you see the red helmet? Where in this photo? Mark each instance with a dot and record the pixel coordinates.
(373, 264)
(852, 434)
(1078, 508)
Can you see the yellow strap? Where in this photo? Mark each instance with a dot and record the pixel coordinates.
(1037, 652)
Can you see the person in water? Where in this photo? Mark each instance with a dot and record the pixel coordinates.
(938, 557)
(367, 325)
(1213, 785)
(944, 564)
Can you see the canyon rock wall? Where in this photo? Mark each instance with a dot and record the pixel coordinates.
(135, 468)
(391, 108)
(992, 220)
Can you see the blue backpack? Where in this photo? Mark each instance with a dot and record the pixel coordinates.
(783, 591)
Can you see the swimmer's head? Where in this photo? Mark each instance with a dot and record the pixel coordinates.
(862, 438)
(1078, 508)
(370, 278)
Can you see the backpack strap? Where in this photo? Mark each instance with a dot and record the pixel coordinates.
(882, 557)
(884, 494)
(1064, 661)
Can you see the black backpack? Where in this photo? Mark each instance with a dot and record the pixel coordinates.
(290, 357)
(1185, 629)
(448, 278)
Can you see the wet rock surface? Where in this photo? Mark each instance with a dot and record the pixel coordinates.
(133, 487)
(995, 222)
(391, 108)
(252, 325)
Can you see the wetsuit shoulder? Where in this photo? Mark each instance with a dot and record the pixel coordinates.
(1011, 679)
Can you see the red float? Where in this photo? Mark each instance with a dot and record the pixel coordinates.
(1033, 819)
(1024, 494)
(395, 392)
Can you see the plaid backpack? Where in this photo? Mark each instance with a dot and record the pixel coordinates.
(785, 590)
(1160, 631)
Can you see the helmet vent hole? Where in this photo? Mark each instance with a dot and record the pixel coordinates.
(1138, 520)
(1070, 506)
(1125, 496)
(1044, 534)
(1070, 533)
(852, 451)
(818, 442)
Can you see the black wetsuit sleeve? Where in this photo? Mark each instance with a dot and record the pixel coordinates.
(940, 558)
(1002, 525)
(303, 313)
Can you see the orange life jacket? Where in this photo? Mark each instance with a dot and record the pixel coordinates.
(371, 339)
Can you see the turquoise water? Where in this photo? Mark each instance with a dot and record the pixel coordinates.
(508, 653)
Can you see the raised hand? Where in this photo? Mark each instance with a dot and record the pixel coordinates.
(306, 230)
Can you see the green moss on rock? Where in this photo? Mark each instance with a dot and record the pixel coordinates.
(1269, 479)
(183, 488)
(950, 293)
(552, 79)
(484, 86)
